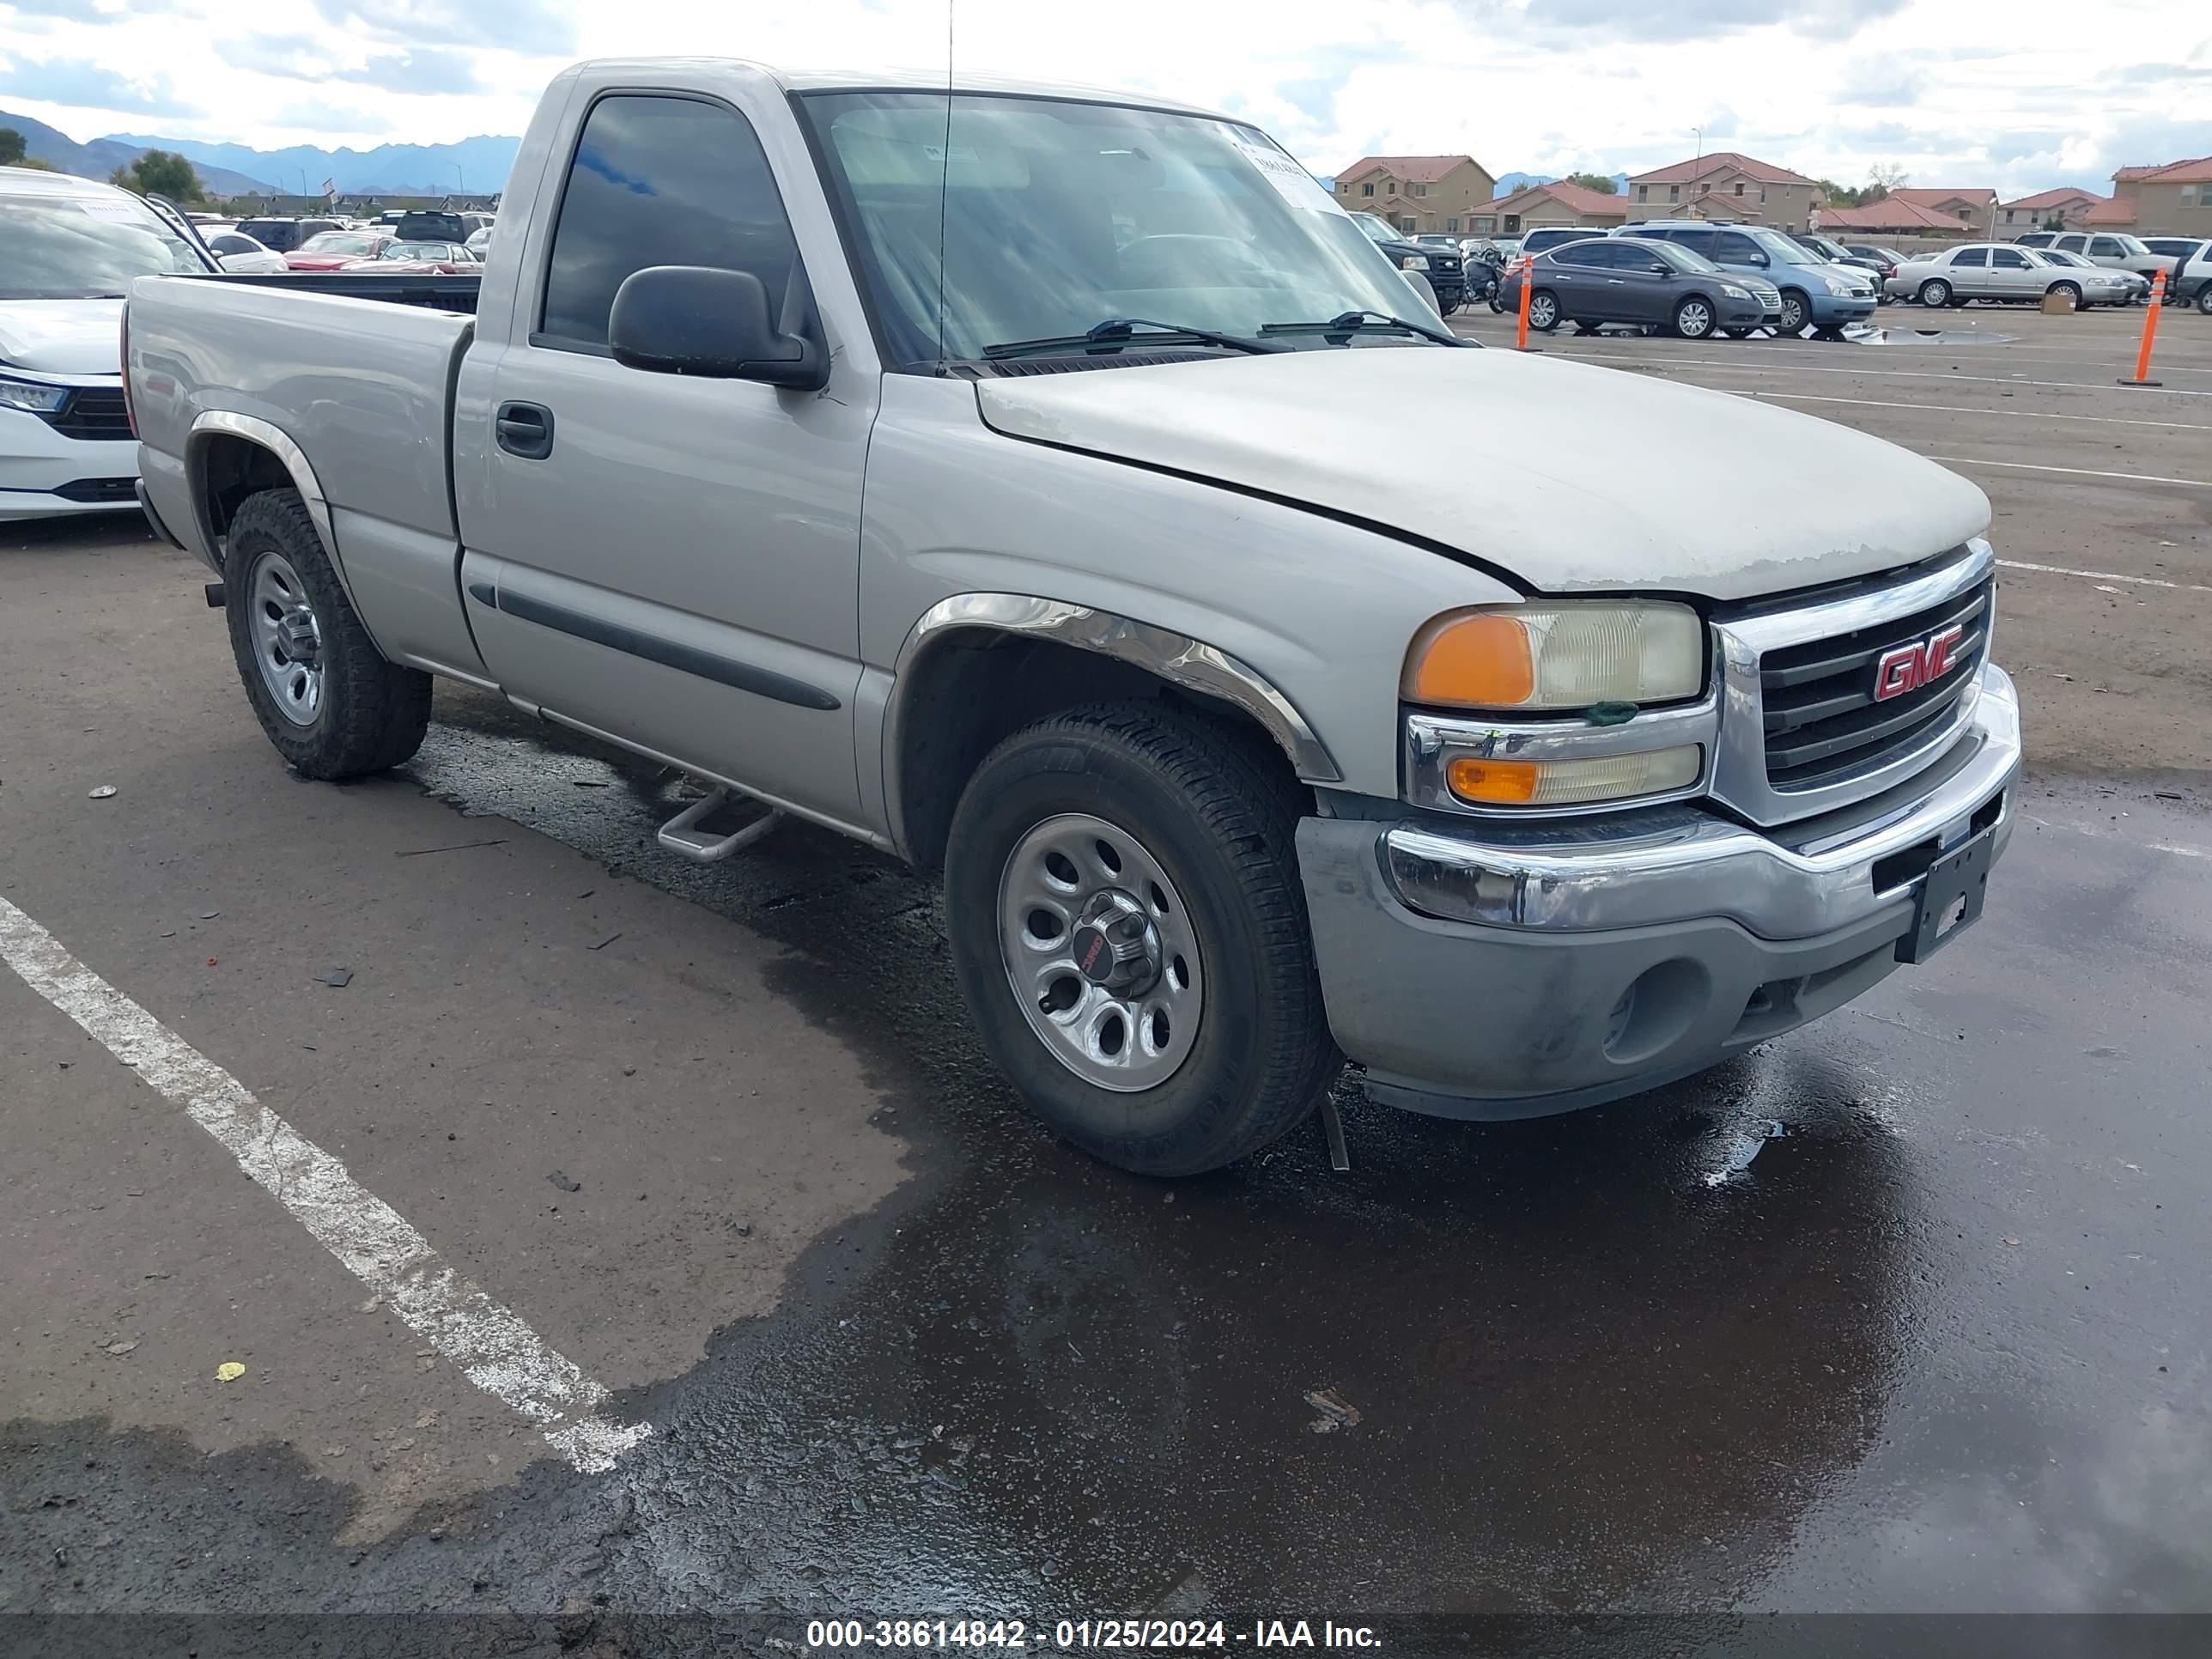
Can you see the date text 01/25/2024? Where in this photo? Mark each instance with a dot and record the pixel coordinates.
(1064, 1635)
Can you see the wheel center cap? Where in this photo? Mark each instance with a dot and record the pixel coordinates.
(296, 639)
(1116, 945)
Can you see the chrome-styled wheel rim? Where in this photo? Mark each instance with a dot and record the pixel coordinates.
(287, 639)
(1100, 952)
(1793, 316)
(1694, 320)
(1541, 311)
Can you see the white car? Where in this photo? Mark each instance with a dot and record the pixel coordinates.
(2002, 271)
(69, 250)
(234, 250)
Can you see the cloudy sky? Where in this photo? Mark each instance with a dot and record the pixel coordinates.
(2017, 95)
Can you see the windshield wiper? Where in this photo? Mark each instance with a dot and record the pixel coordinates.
(1351, 322)
(1118, 332)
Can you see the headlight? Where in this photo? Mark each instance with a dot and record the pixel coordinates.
(1412, 262)
(1482, 782)
(1557, 656)
(1833, 286)
(1735, 293)
(31, 396)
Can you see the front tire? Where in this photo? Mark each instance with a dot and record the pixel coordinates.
(1543, 310)
(1796, 312)
(2205, 298)
(1694, 318)
(328, 702)
(2072, 288)
(1128, 928)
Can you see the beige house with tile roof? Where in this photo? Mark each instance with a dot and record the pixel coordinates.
(1417, 193)
(1536, 206)
(2173, 200)
(2047, 209)
(1727, 186)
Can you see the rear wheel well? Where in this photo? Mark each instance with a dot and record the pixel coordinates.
(973, 687)
(231, 469)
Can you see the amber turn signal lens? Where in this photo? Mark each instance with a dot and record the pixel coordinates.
(1479, 661)
(1506, 782)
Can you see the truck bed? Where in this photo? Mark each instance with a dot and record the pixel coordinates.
(433, 293)
(357, 371)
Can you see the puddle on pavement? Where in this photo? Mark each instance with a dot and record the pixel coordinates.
(1027, 1380)
(1928, 336)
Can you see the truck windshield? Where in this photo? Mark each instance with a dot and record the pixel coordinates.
(1052, 216)
(82, 248)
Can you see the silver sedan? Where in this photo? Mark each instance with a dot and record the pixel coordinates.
(2000, 271)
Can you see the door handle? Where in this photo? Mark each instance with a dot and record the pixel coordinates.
(525, 430)
(1616, 281)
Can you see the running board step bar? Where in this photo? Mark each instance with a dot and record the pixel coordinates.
(682, 834)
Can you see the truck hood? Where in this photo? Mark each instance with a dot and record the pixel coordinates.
(1571, 477)
(62, 336)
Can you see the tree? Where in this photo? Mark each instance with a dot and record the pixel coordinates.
(1882, 178)
(1844, 196)
(37, 164)
(1602, 182)
(12, 148)
(161, 173)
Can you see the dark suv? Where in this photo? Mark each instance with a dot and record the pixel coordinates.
(1619, 279)
(1444, 267)
(1552, 236)
(282, 235)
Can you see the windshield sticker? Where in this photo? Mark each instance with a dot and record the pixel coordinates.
(125, 211)
(1291, 182)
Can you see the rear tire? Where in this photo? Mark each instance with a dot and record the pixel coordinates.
(2205, 298)
(328, 702)
(1204, 849)
(1543, 310)
(1935, 292)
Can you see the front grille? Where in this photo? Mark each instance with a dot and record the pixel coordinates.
(92, 412)
(121, 491)
(1822, 723)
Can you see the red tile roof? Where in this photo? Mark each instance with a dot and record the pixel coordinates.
(2194, 170)
(1891, 213)
(2066, 196)
(1414, 169)
(2114, 211)
(1578, 198)
(1927, 197)
(1719, 161)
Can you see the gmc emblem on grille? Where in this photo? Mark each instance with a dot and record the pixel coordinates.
(1923, 662)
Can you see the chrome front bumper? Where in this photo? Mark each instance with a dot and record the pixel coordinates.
(1509, 970)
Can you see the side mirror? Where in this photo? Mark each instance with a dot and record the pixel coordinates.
(1660, 268)
(697, 319)
(1760, 259)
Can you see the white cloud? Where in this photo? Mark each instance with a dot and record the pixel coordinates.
(2014, 94)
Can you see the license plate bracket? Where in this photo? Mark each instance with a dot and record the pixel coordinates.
(1949, 897)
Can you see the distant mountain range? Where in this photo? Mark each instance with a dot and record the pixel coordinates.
(1513, 181)
(471, 167)
(103, 156)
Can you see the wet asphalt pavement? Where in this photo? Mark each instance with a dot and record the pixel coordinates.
(1904, 1313)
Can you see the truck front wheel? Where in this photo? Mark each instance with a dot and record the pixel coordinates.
(1127, 926)
(333, 706)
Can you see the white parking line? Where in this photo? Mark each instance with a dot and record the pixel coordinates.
(489, 1343)
(1612, 359)
(1956, 408)
(2072, 471)
(2104, 576)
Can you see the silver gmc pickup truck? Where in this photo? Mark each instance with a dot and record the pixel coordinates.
(1057, 490)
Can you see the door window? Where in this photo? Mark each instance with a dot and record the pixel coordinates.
(659, 180)
(2005, 259)
(2071, 243)
(1582, 254)
(2107, 248)
(1974, 259)
(1732, 247)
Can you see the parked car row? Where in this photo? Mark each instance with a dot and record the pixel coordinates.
(2026, 271)
(1692, 278)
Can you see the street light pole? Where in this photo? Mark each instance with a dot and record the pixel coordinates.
(459, 180)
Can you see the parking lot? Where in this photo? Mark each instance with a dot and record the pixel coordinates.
(1892, 1313)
